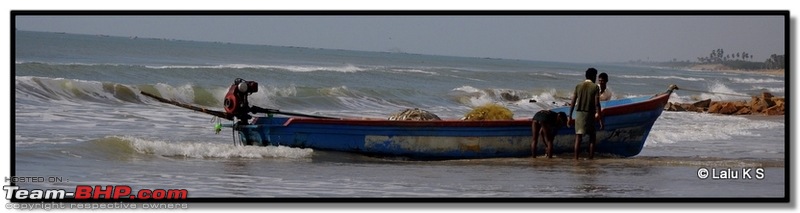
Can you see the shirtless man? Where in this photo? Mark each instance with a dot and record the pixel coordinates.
(546, 123)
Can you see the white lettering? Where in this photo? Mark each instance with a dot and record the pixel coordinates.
(760, 173)
(746, 173)
(9, 191)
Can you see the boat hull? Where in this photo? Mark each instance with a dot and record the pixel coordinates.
(627, 124)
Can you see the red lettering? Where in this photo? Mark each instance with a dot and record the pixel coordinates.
(144, 194)
(83, 192)
(177, 193)
(106, 193)
(121, 191)
(159, 194)
(124, 191)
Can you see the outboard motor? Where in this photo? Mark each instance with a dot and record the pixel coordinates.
(236, 99)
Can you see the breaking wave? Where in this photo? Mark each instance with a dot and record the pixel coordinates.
(755, 81)
(134, 145)
(661, 77)
(291, 68)
(80, 91)
(291, 97)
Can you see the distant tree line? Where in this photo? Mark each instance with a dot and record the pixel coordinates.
(775, 62)
(719, 56)
(741, 60)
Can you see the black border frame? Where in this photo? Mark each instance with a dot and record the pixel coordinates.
(787, 115)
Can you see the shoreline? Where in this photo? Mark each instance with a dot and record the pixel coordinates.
(723, 68)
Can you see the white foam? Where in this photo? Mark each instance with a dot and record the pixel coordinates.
(266, 94)
(677, 127)
(547, 99)
(475, 97)
(770, 89)
(468, 89)
(365, 103)
(720, 91)
(716, 91)
(348, 68)
(755, 81)
(662, 77)
(213, 150)
(415, 71)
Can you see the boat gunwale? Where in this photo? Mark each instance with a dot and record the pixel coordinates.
(653, 103)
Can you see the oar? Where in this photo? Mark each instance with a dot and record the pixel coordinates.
(191, 107)
(253, 109)
(256, 109)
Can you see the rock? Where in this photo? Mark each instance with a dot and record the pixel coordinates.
(728, 108)
(769, 102)
(676, 107)
(754, 104)
(764, 103)
(414, 115)
(689, 107)
(766, 95)
(702, 104)
(778, 101)
(740, 104)
(715, 107)
(509, 97)
(743, 111)
(760, 104)
(775, 110)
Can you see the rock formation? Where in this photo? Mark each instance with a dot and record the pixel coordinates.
(765, 104)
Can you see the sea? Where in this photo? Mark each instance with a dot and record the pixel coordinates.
(79, 120)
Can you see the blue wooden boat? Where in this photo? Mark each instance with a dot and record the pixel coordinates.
(627, 124)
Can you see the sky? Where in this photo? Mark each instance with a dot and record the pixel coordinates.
(564, 38)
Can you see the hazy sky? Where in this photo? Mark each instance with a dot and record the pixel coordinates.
(545, 38)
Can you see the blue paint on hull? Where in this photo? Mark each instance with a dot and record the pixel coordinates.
(628, 122)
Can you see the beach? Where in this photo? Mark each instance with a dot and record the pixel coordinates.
(723, 68)
(78, 115)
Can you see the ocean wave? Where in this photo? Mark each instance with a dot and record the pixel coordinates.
(770, 89)
(716, 91)
(44, 88)
(67, 63)
(755, 81)
(662, 77)
(348, 68)
(674, 127)
(521, 99)
(130, 144)
(79, 91)
(411, 70)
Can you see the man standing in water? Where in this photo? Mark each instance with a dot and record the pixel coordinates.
(605, 92)
(585, 103)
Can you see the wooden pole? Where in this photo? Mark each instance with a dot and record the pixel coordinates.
(191, 107)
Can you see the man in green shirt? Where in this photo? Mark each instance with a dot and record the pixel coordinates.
(585, 103)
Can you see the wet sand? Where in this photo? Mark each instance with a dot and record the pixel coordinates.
(723, 68)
